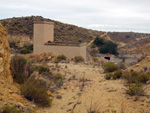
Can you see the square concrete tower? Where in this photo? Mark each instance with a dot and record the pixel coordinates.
(43, 33)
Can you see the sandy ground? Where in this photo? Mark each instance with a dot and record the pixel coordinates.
(96, 93)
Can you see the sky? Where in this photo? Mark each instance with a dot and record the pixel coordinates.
(101, 15)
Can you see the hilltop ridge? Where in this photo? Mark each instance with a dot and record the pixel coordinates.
(128, 42)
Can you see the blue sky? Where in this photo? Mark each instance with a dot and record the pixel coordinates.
(102, 15)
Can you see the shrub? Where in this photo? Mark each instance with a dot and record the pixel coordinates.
(59, 80)
(121, 65)
(108, 76)
(61, 57)
(95, 59)
(29, 47)
(99, 41)
(109, 47)
(78, 59)
(24, 51)
(135, 89)
(42, 69)
(93, 46)
(21, 69)
(110, 67)
(10, 109)
(117, 74)
(34, 90)
(134, 77)
(143, 77)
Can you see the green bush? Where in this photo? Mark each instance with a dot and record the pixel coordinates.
(93, 46)
(99, 41)
(110, 67)
(24, 51)
(61, 57)
(78, 59)
(42, 69)
(108, 76)
(143, 77)
(21, 69)
(10, 109)
(34, 90)
(109, 47)
(135, 89)
(117, 74)
(105, 46)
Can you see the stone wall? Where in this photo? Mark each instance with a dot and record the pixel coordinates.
(5, 74)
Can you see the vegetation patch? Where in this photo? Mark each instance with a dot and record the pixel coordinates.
(21, 69)
(135, 89)
(33, 90)
(108, 76)
(78, 59)
(61, 57)
(105, 46)
(110, 67)
(10, 109)
(24, 51)
(117, 74)
(42, 69)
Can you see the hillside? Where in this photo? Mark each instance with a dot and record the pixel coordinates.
(63, 32)
(20, 31)
(130, 42)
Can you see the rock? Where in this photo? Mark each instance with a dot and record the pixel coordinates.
(50, 94)
(59, 97)
(79, 102)
(79, 93)
(65, 87)
(69, 110)
(70, 103)
(49, 58)
(10, 91)
(20, 105)
(62, 93)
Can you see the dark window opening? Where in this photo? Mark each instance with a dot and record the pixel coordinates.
(107, 58)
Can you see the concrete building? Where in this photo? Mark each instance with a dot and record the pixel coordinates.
(115, 59)
(44, 42)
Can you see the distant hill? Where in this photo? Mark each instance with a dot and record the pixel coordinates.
(129, 42)
(63, 32)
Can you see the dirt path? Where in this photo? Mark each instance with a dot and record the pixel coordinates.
(96, 93)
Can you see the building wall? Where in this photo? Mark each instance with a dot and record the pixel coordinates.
(43, 32)
(69, 51)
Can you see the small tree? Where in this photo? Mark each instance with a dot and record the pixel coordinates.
(99, 41)
(109, 47)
